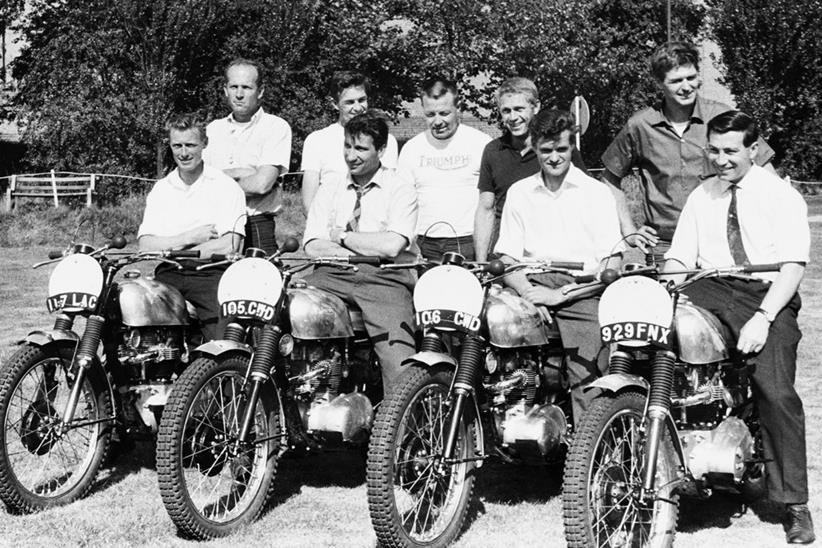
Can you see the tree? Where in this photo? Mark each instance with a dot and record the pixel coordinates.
(9, 11)
(773, 66)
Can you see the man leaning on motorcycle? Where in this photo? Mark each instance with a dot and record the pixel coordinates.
(746, 215)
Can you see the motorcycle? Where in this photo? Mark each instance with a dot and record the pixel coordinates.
(674, 416)
(222, 432)
(62, 394)
(507, 395)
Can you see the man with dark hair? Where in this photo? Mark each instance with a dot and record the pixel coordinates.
(443, 162)
(666, 142)
(507, 159)
(370, 212)
(323, 157)
(561, 214)
(193, 207)
(746, 215)
(252, 147)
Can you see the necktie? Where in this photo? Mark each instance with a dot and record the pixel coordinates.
(734, 234)
(353, 223)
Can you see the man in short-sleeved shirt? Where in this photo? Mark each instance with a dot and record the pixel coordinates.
(666, 143)
(507, 159)
(371, 212)
(323, 158)
(443, 162)
(251, 146)
(194, 207)
(747, 215)
(561, 214)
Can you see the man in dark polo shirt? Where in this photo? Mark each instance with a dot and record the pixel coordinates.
(666, 142)
(507, 159)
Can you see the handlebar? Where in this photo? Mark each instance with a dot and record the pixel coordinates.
(182, 254)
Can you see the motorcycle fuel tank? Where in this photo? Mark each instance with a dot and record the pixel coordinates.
(316, 314)
(513, 321)
(145, 301)
(701, 337)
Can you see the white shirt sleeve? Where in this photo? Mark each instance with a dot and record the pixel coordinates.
(152, 215)
(311, 160)
(511, 231)
(402, 211)
(318, 221)
(389, 157)
(276, 150)
(685, 243)
(233, 213)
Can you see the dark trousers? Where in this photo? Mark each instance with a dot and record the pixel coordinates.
(384, 297)
(433, 248)
(260, 232)
(781, 413)
(586, 356)
(200, 289)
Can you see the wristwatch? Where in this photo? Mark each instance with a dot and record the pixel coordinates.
(768, 316)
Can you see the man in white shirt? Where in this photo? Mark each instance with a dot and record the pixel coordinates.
(747, 215)
(323, 157)
(194, 207)
(371, 212)
(444, 164)
(561, 214)
(251, 146)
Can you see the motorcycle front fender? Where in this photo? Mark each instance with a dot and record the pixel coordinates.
(42, 338)
(615, 382)
(218, 347)
(431, 359)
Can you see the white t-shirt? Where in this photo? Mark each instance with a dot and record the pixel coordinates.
(173, 207)
(265, 140)
(445, 173)
(577, 223)
(323, 153)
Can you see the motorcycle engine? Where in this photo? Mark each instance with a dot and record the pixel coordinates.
(153, 353)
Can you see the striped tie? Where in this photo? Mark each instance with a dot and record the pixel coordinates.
(353, 223)
(735, 234)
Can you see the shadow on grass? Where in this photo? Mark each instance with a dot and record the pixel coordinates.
(503, 483)
(124, 459)
(720, 510)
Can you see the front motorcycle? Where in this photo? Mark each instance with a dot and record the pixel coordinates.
(507, 395)
(62, 394)
(224, 427)
(675, 415)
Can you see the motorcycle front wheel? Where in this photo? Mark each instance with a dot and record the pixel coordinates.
(601, 504)
(414, 497)
(42, 464)
(210, 483)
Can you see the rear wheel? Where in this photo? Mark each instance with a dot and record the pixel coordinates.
(415, 498)
(601, 499)
(42, 465)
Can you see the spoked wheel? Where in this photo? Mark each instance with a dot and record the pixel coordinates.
(42, 464)
(415, 498)
(601, 501)
(212, 484)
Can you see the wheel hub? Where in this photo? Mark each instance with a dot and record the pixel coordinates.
(37, 427)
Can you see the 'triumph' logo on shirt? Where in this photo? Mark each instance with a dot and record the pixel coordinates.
(457, 161)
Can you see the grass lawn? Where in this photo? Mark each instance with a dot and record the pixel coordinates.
(321, 501)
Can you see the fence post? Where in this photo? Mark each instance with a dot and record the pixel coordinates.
(90, 191)
(9, 190)
(54, 189)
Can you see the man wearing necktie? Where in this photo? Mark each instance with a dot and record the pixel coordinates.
(372, 211)
(747, 215)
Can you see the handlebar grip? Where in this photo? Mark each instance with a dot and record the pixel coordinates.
(184, 254)
(55, 254)
(217, 257)
(567, 265)
(585, 279)
(773, 267)
(367, 259)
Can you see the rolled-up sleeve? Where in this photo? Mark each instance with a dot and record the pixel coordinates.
(793, 237)
(317, 223)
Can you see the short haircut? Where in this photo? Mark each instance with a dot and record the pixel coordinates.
(437, 86)
(519, 86)
(549, 124)
(372, 123)
(249, 63)
(344, 79)
(185, 122)
(673, 55)
(735, 120)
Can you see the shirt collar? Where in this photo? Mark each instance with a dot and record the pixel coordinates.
(376, 180)
(743, 183)
(178, 183)
(572, 180)
(254, 118)
(657, 117)
(506, 142)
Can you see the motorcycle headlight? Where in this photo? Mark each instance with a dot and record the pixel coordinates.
(286, 344)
